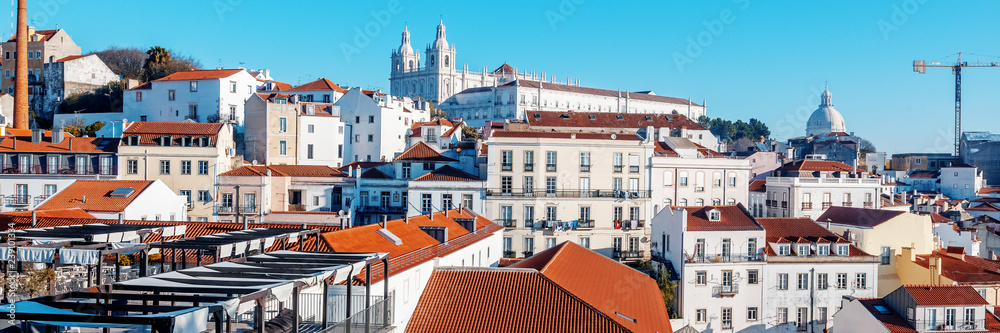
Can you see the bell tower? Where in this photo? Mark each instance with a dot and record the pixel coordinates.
(440, 60)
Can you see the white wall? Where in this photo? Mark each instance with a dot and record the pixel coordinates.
(156, 200)
(212, 98)
(327, 137)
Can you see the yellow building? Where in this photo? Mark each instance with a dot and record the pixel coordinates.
(950, 266)
(884, 233)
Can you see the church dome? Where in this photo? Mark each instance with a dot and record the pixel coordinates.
(404, 47)
(440, 42)
(826, 119)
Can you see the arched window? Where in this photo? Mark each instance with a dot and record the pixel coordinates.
(682, 202)
(432, 61)
(411, 65)
(717, 179)
(683, 179)
(446, 62)
(667, 203)
(716, 202)
(731, 201)
(668, 178)
(699, 181)
(699, 202)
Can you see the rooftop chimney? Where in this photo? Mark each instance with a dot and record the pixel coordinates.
(57, 134)
(21, 68)
(36, 135)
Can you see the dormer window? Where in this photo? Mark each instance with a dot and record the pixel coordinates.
(714, 215)
(803, 250)
(823, 250)
(166, 141)
(132, 140)
(842, 250)
(186, 141)
(784, 250)
(203, 141)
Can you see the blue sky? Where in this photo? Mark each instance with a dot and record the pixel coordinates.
(747, 58)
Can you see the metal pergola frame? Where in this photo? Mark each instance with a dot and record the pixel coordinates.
(214, 243)
(290, 266)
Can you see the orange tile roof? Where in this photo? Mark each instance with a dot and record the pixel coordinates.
(601, 92)
(802, 230)
(565, 135)
(582, 119)
(758, 185)
(201, 74)
(150, 132)
(415, 127)
(284, 171)
(504, 300)
(504, 69)
(965, 269)
(816, 165)
(72, 213)
(589, 276)
(732, 218)
(319, 85)
(861, 217)
(455, 230)
(74, 57)
(926, 295)
(892, 321)
(422, 152)
(448, 173)
(68, 145)
(45, 35)
(94, 195)
(365, 239)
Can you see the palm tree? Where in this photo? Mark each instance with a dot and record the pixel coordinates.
(156, 60)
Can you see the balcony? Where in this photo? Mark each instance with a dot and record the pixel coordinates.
(724, 258)
(18, 200)
(826, 205)
(848, 204)
(807, 205)
(584, 224)
(585, 168)
(633, 169)
(725, 290)
(585, 193)
(382, 209)
(506, 167)
(618, 169)
(628, 255)
(42, 170)
(220, 209)
(627, 225)
(507, 223)
(529, 167)
(869, 204)
(550, 167)
(942, 326)
(509, 254)
(296, 208)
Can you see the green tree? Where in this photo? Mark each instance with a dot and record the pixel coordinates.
(106, 98)
(470, 133)
(161, 62)
(79, 129)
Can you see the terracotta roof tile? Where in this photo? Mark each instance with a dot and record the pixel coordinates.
(69, 58)
(150, 132)
(94, 195)
(926, 295)
(732, 218)
(423, 152)
(374, 173)
(45, 35)
(319, 85)
(284, 171)
(504, 69)
(964, 269)
(200, 74)
(861, 217)
(71, 213)
(565, 135)
(801, 230)
(601, 92)
(365, 239)
(448, 173)
(984, 207)
(758, 185)
(989, 190)
(68, 145)
(578, 119)
(892, 321)
(816, 165)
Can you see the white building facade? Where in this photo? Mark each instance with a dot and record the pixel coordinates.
(200, 95)
(682, 175)
(376, 124)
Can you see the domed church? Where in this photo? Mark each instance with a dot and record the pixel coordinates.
(826, 119)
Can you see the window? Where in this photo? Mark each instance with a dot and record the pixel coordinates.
(701, 315)
(194, 86)
(633, 163)
(529, 160)
(529, 246)
(550, 161)
(617, 184)
(618, 162)
(801, 318)
(425, 203)
(585, 162)
(931, 318)
(732, 179)
(446, 201)
(782, 316)
(585, 213)
(171, 95)
(371, 138)
(841, 280)
(232, 87)
(507, 245)
(803, 250)
(282, 125)
(970, 317)
(823, 250)
(803, 281)
(727, 318)
(752, 247)
(886, 255)
(784, 250)
(340, 152)
(752, 276)
(529, 216)
(861, 281)
(202, 167)
(821, 315)
(282, 148)
(668, 178)
(204, 196)
(185, 167)
(700, 278)
(506, 184)
(164, 167)
(949, 317)
(699, 181)
(131, 167)
(506, 160)
(309, 151)
(550, 185)
(187, 195)
(138, 96)
(717, 179)
(842, 250)
(227, 200)
(752, 313)
(311, 128)
(21, 193)
(585, 242)
(467, 200)
(166, 141)
(550, 242)
(371, 119)
(782, 281)
(550, 213)
(529, 185)
(683, 181)
(699, 248)
(821, 281)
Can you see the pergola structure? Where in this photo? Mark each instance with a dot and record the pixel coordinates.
(234, 244)
(183, 300)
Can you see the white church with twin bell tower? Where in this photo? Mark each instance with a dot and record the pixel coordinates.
(436, 78)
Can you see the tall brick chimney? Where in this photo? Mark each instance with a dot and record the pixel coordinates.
(21, 68)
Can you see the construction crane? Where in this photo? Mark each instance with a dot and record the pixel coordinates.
(920, 66)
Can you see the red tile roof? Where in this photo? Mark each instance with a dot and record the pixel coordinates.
(504, 69)
(663, 149)
(498, 300)
(284, 171)
(71, 213)
(965, 269)
(365, 239)
(732, 218)
(69, 58)
(361, 165)
(938, 218)
(984, 207)
(423, 152)
(321, 84)
(68, 145)
(758, 185)
(415, 128)
(375, 174)
(860, 217)
(602, 92)
(150, 132)
(926, 295)
(94, 195)
(200, 74)
(448, 173)
(892, 321)
(589, 276)
(989, 190)
(46, 35)
(565, 135)
(579, 119)
(802, 230)
(816, 165)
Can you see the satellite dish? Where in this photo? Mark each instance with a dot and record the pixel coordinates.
(613, 137)
(645, 240)
(341, 212)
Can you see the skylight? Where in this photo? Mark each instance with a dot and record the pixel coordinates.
(882, 309)
(122, 192)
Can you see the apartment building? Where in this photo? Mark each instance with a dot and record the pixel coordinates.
(283, 193)
(588, 188)
(807, 188)
(186, 156)
(376, 123)
(437, 132)
(920, 308)
(320, 135)
(271, 128)
(200, 95)
(688, 174)
(44, 46)
(320, 91)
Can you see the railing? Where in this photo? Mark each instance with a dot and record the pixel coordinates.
(627, 225)
(826, 205)
(372, 319)
(584, 168)
(633, 169)
(717, 258)
(72, 170)
(625, 255)
(618, 169)
(848, 204)
(807, 205)
(529, 167)
(725, 290)
(507, 223)
(550, 167)
(220, 209)
(584, 224)
(941, 326)
(506, 167)
(382, 209)
(869, 204)
(509, 254)
(568, 193)
(18, 200)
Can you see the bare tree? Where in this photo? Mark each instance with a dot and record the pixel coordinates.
(866, 146)
(126, 62)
